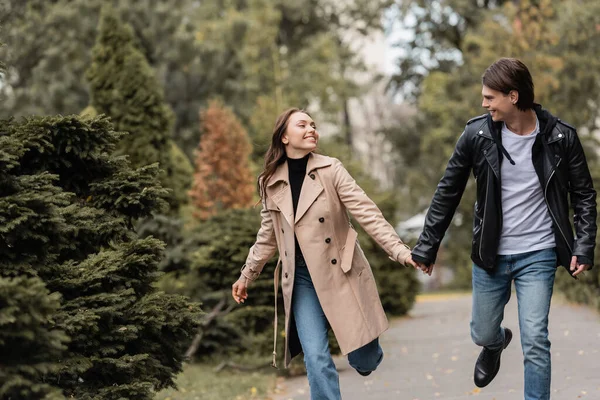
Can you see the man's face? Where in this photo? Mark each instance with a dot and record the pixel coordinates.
(498, 104)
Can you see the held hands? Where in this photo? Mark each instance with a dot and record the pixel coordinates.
(417, 265)
(426, 269)
(239, 290)
(577, 268)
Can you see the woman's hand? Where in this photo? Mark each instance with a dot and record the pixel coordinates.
(239, 290)
(409, 262)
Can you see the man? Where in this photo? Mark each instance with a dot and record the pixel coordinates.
(526, 163)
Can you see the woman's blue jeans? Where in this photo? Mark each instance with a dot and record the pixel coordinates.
(312, 328)
(533, 274)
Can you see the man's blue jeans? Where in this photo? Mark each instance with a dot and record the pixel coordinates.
(312, 327)
(533, 274)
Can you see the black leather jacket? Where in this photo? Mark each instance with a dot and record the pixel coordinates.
(560, 164)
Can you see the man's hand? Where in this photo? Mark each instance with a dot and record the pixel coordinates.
(239, 290)
(426, 269)
(577, 268)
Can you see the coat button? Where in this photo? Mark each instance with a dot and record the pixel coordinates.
(481, 132)
(334, 261)
(286, 275)
(560, 135)
(321, 220)
(312, 176)
(328, 240)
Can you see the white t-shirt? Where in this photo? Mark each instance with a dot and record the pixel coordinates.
(526, 222)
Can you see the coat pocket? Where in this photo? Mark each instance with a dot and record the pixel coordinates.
(348, 250)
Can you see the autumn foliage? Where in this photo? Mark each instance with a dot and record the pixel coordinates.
(222, 179)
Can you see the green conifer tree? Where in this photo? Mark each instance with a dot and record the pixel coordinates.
(124, 87)
(66, 214)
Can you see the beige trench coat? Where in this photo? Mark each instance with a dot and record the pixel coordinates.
(340, 272)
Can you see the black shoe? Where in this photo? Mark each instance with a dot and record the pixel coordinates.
(488, 362)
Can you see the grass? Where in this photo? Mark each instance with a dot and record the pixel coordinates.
(201, 382)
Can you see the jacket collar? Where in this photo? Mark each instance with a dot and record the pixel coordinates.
(315, 161)
(491, 129)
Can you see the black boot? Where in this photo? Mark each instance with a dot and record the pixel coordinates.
(488, 362)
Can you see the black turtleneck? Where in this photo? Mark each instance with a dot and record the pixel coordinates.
(297, 172)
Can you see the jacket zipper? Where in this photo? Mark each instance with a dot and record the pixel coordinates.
(550, 210)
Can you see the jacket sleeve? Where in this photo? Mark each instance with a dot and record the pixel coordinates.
(263, 249)
(445, 201)
(368, 215)
(583, 201)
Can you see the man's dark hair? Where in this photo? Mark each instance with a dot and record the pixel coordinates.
(508, 74)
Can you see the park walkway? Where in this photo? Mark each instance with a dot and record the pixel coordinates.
(430, 356)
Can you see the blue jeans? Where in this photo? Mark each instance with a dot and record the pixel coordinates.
(533, 274)
(312, 327)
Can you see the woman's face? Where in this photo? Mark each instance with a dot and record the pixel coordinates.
(300, 137)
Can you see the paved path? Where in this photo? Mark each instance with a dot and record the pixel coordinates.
(429, 355)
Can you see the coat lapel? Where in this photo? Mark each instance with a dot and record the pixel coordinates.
(311, 188)
(278, 188)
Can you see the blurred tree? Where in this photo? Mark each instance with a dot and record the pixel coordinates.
(435, 39)
(284, 48)
(239, 50)
(222, 179)
(45, 74)
(66, 213)
(578, 97)
(124, 87)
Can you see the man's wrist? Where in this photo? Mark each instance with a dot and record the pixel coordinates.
(584, 260)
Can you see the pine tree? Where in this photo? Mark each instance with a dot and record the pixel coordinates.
(29, 345)
(66, 214)
(222, 180)
(124, 87)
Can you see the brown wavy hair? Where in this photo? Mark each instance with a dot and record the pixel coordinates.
(275, 155)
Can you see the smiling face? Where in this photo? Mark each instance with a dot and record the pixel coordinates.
(500, 106)
(301, 136)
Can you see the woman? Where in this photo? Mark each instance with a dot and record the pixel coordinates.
(326, 279)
